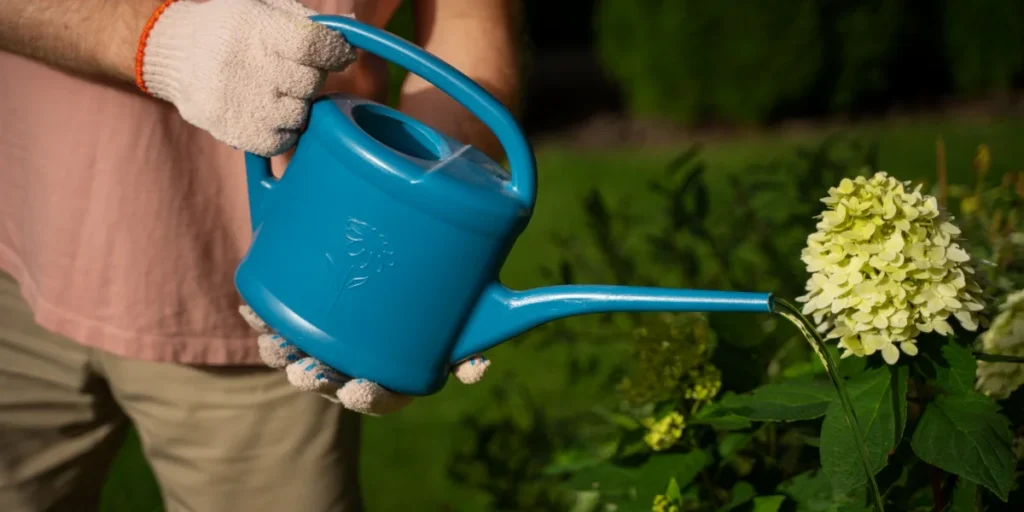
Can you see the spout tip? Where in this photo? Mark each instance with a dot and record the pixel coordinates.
(770, 302)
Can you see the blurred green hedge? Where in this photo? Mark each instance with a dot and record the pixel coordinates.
(749, 61)
(402, 24)
(985, 43)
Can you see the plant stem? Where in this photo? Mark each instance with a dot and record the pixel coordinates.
(793, 314)
(711, 489)
(940, 165)
(936, 481)
(997, 358)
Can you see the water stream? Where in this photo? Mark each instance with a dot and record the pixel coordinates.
(793, 314)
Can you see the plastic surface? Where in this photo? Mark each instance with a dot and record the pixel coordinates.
(457, 85)
(504, 313)
(378, 251)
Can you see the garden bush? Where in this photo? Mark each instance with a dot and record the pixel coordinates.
(860, 49)
(402, 24)
(733, 412)
(686, 58)
(757, 60)
(985, 44)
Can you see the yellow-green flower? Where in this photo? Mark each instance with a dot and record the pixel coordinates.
(704, 384)
(982, 160)
(664, 433)
(663, 353)
(1005, 337)
(885, 266)
(663, 503)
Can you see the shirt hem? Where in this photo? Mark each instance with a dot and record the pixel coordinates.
(87, 332)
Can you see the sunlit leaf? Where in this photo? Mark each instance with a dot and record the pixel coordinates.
(966, 435)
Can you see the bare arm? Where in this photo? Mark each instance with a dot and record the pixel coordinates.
(479, 38)
(92, 38)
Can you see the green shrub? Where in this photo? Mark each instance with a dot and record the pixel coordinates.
(684, 59)
(765, 54)
(984, 44)
(633, 41)
(690, 61)
(733, 413)
(402, 24)
(865, 36)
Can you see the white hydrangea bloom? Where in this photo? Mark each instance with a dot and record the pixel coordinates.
(885, 266)
(1006, 338)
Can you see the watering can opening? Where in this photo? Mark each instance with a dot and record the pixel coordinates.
(400, 132)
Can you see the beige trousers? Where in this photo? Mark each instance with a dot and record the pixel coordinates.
(218, 439)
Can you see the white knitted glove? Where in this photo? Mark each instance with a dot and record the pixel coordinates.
(360, 395)
(243, 70)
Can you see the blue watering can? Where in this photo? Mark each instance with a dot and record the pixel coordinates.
(378, 251)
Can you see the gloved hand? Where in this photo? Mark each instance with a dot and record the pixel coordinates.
(243, 70)
(360, 395)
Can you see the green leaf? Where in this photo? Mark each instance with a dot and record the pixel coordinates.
(807, 486)
(691, 493)
(586, 501)
(804, 369)
(742, 492)
(732, 443)
(606, 476)
(724, 422)
(961, 371)
(571, 461)
(965, 497)
(647, 479)
(879, 401)
(768, 503)
(673, 492)
(812, 492)
(906, 483)
(850, 366)
(718, 417)
(966, 435)
(632, 443)
(953, 369)
(782, 402)
(854, 507)
(683, 467)
(618, 418)
(700, 200)
(629, 505)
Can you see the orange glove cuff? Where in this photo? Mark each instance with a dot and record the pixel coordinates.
(140, 53)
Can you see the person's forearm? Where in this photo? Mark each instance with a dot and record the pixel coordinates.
(92, 38)
(480, 39)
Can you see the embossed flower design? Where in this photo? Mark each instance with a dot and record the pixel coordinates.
(369, 248)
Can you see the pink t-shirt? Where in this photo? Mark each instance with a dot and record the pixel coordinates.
(123, 223)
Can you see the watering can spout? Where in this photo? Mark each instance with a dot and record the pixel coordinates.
(502, 313)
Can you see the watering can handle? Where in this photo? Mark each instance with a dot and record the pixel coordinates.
(446, 78)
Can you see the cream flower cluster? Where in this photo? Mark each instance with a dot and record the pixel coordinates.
(885, 266)
(1005, 337)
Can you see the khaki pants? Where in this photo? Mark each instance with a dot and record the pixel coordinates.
(236, 439)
